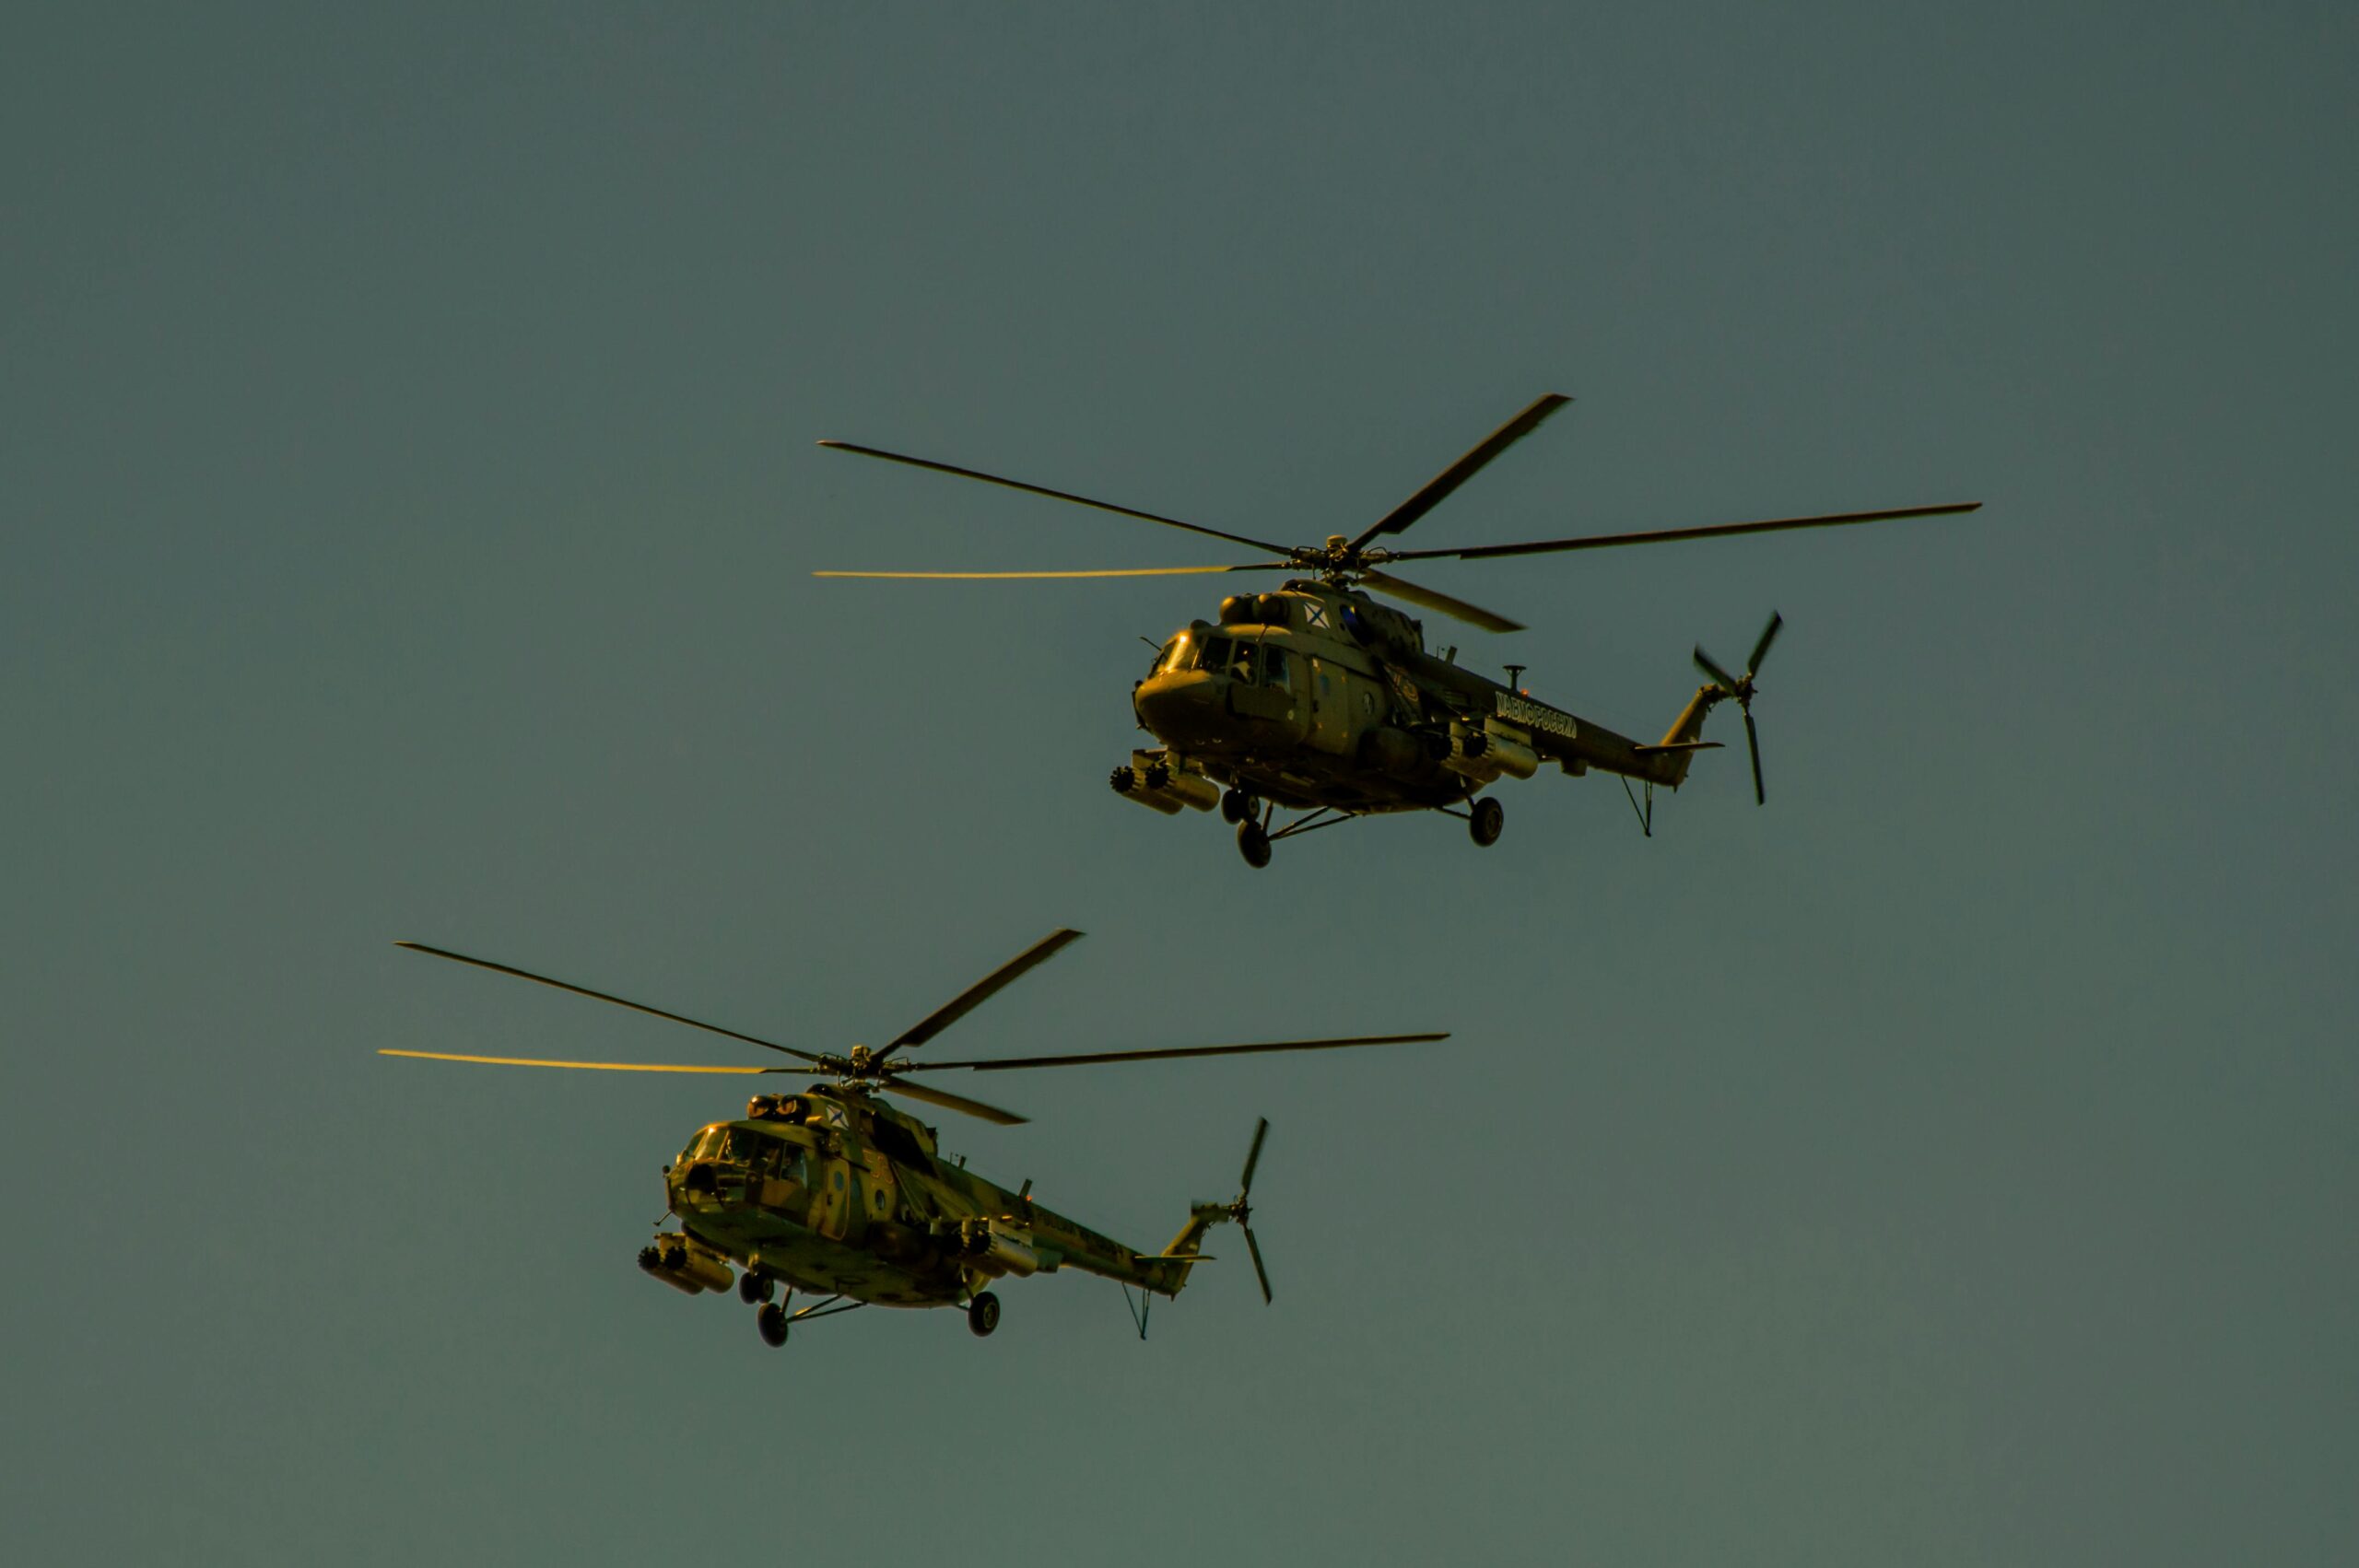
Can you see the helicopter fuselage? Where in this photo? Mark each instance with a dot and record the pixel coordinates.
(1319, 696)
(834, 1191)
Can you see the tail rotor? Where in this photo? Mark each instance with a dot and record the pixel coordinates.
(1241, 1211)
(1741, 689)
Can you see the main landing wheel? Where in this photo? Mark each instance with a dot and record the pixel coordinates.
(771, 1323)
(752, 1286)
(1236, 806)
(1490, 819)
(983, 1315)
(1253, 843)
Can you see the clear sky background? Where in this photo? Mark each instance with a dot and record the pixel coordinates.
(409, 506)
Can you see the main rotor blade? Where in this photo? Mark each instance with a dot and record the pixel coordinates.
(1092, 1057)
(1259, 1272)
(950, 1102)
(1489, 620)
(1439, 487)
(1052, 495)
(983, 990)
(1020, 577)
(1752, 744)
(590, 1066)
(602, 996)
(1253, 1156)
(1669, 535)
(1761, 648)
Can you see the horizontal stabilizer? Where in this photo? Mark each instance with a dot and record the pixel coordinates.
(1678, 746)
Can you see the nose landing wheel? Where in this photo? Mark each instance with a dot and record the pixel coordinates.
(1236, 805)
(983, 1315)
(770, 1323)
(1489, 820)
(1253, 843)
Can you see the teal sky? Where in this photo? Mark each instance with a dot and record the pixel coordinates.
(409, 508)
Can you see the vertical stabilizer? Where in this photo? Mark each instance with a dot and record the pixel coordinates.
(1684, 739)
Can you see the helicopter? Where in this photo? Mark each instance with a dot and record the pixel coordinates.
(1317, 699)
(837, 1192)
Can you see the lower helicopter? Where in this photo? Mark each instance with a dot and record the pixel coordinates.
(1319, 700)
(836, 1192)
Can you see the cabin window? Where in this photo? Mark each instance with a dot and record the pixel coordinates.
(897, 1143)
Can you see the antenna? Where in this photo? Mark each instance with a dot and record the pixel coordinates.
(1515, 676)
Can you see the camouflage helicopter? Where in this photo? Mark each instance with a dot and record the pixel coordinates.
(836, 1192)
(1319, 700)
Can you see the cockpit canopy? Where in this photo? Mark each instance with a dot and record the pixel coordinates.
(1245, 659)
(753, 1151)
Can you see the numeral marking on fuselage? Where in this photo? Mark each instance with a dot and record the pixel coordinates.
(1536, 715)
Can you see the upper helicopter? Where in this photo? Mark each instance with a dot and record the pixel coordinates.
(838, 1192)
(1317, 699)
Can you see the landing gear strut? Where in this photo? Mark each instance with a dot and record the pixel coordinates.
(982, 1313)
(1253, 843)
(1489, 820)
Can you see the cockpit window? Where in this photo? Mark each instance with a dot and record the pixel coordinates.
(1241, 662)
(1274, 669)
(746, 1147)
(1213, 655)
(743, 1146)
(1173, 657)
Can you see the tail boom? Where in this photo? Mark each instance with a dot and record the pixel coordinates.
(1664, 763)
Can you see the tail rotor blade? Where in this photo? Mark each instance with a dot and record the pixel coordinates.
(1253, 1158)
(1761, 648)
(1725, 681)
(1259, 1272)
(1752, 744)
